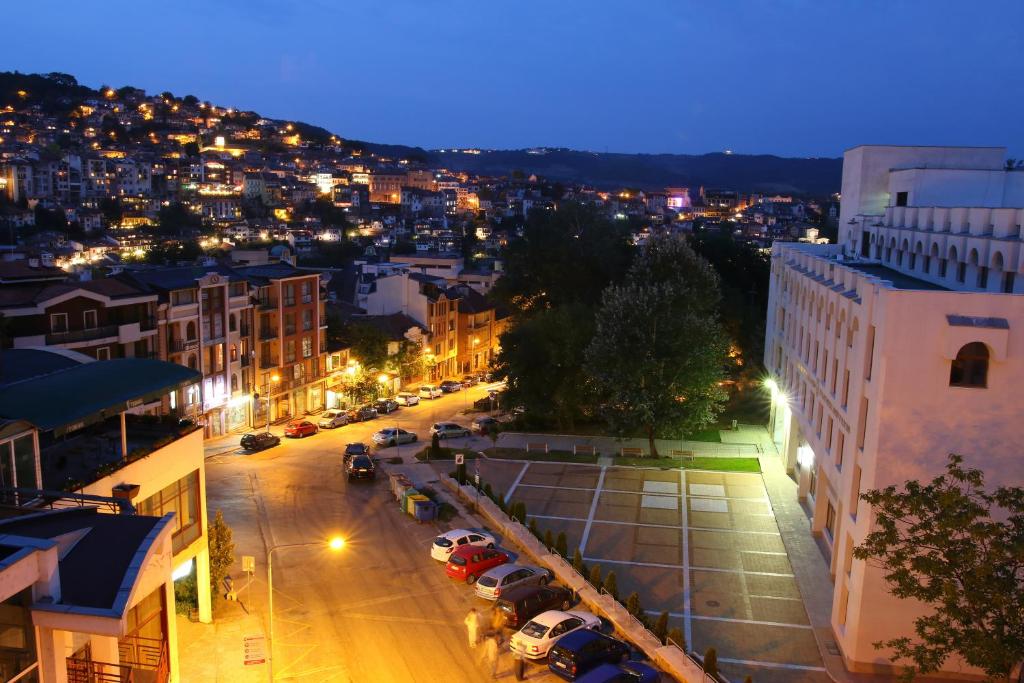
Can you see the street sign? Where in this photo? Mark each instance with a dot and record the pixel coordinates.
(255, 650)
(460, 458)
(248, 564)
(476, 479)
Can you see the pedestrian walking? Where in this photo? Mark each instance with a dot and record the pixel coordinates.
(472, 622)
(498, 623)
(491, 646)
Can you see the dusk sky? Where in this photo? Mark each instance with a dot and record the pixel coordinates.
(795, 78)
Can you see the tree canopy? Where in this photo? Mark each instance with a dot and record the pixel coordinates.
(959, 549)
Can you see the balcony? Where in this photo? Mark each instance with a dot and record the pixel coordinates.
(143, 660)
(268, 362)
(182, 345)
(268, 333)
(267, 304)
(73, 336)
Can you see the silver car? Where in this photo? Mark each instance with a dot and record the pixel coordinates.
(333, 418)
(494, 582)
(392, 436)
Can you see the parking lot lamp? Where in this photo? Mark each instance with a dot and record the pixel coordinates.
(335, 544)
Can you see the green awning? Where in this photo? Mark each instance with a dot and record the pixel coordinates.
(70, 399)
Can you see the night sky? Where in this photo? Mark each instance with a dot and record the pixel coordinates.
(796, 78)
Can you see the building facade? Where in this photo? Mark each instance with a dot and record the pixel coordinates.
(893, 349)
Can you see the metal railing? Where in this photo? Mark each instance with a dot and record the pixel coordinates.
(136, 653)
(71, 336)
(267, 362)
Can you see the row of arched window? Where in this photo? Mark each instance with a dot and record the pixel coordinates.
(971, 271)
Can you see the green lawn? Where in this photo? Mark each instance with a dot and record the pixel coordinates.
(446, 453)
(708, 435)
(697, 463)
(535, 456)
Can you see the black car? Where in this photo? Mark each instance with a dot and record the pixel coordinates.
(519, 605)
(362, 414)
(385, 406)
(259, 441)
(581, 651)
(353, 449)
(361, 467)
(450, 386)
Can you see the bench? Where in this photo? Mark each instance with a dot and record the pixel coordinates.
(580, 449)
(686, 456)
(632, 452)
(540, 447)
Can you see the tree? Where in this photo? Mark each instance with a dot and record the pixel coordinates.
(549, 539)
(665, 315)
(676, 636)
(611, 586)
(633, 605)
(435, 447)
(957, 548)
(595, 576)
(222, 551)
(369, 344)
(660, 628)
(577, 562)
(711, 662)
(534, 530)
(562, 544)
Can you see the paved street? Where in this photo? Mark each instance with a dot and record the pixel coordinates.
(380, 610)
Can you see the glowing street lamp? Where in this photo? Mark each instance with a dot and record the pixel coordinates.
(335, 544)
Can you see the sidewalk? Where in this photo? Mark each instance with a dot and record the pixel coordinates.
(215, 652)
(734, 446)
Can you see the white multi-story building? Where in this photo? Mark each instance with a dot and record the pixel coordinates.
(894, 348)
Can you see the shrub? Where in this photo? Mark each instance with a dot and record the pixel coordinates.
(633, 605)
(186, 594)
(577, 562)
(487, 491)
(660, 628)
(595, 576)
(562, 545)
(610, 586)
(549, 539)
(711, 662)
(534, 530)
(676, 636)
(435, 447)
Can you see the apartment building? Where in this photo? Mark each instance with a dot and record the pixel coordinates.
(894, 348)
(478, 326)
(205, 320)
(133, 492)
(289, 327)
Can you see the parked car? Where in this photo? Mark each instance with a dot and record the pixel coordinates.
(406, 398)
(296, 429)
(448, 430)
(450, 540)
(494, 582)
(535, 640)
(469, 380)
(483, 424)
(259, 440)
(582, 650)
(361, 467)
(393, 436)
(385, 406)
(469, 562)
(450, 386)
(627, 672)
(521, 604)
(332, 418)
(430, 391)
(354, 449)
(362, 413)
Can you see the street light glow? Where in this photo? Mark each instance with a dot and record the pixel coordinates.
(275, 377)
(383, 378)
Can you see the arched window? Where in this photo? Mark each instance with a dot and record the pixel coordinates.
(970, 367)
(234, 383)
(192, 360)
(190, 331)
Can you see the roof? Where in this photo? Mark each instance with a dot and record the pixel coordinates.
(21, 364)
(84, 581)
(181, 277)
(898, 279)
(262, 274)
(21, 270)
(394, 326)
(470, 300)
(72, 397)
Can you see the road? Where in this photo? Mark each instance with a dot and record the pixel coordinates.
(379, 610)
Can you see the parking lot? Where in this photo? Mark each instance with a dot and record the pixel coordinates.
(702, 545)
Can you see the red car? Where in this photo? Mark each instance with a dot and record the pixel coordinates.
(470, 561)
(300, 428)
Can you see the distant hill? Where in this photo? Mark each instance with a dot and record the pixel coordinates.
(743, 172)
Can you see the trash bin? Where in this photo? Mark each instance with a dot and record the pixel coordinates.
(426, 510)
(405, 499)
(410, 506)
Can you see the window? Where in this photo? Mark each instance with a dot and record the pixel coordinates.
(830, 520)
(983, 278)
(307, 319)
(840, 446)
(307, 347)
(182, 297)
(289, 351)
(190, 331)
(289, 294)
(1008, 283)
(232, 323)
(18, 658)
(855, 492)
(89, 319)
(862, 423)
(846, 387)
(970, 367)
(870, 359)
(182, 498)
(307, 291)
(103, 353)
(943, 266)
(58, 322)
(289, 323)
(961, 272)
(901, 198)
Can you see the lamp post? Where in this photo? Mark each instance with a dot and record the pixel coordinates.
(336, 544)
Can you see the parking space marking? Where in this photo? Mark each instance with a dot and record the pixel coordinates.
(641, 493)
(680, 615)
(771, 665)
(515, 484)
(733, 531)
(684, 528)
(686, 566)
(593, 510)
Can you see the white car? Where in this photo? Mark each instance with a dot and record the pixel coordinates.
(534, 640)
(430, 391)
(448, 430)
(406, 398)
(333, 418)
(447, 542)
(393, 436)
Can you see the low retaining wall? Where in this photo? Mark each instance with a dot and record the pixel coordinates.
(669, 658)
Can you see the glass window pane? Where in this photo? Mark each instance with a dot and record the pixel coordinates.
(25, 462)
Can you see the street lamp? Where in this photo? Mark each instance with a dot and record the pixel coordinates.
(336, 544)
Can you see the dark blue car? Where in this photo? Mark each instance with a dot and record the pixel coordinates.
(580, 651)
(627, 672)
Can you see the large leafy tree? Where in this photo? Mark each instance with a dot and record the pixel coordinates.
(658, 350)
(958, 548)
